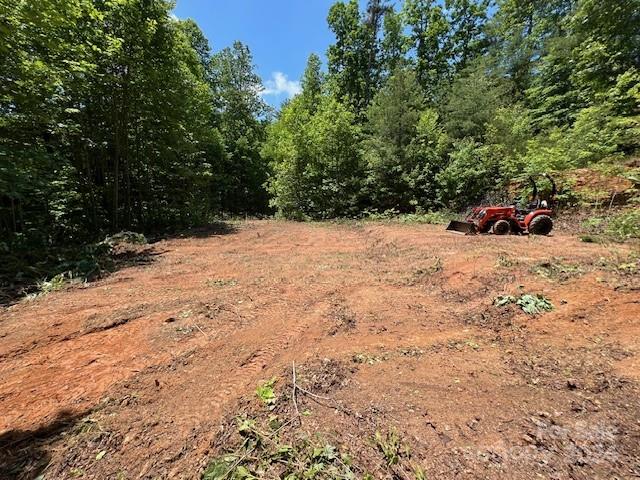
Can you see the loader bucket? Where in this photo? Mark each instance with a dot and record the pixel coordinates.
(465, 228)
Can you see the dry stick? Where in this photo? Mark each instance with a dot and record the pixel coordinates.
(237, 462)
(202, 331)
(317, 398)
(293, 396)
(314, 395)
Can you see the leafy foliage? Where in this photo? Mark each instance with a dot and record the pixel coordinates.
(452, 100)
(266, 392)
(263, 454)
(531, 304)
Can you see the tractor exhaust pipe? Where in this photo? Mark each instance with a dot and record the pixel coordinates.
(463, 228)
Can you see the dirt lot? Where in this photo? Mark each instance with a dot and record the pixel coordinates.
(392, 328)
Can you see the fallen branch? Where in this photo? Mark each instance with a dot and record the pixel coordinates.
(202, 331)
(293, 393)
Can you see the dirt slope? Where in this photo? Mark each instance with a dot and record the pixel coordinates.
(142, 369)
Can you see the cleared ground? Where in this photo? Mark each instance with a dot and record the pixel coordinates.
(134, 376)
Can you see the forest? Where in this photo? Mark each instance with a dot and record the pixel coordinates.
(115, 115)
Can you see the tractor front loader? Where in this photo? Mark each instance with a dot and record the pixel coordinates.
(535, 218)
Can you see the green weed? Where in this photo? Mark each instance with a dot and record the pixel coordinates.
(625, 225)
(506, 262)
(264, 454)
(530, 304)
(555, 269)
(266, 392)
(391, 447)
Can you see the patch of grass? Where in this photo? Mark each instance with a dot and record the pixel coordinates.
(591, 239)
(622, 265)
(531, 304)
(431, 218)
(618, 227)
(419, 217)
(266, 392)
(263, 454)
(555, 269)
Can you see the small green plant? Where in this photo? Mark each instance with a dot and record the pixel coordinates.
(126, 237)
(419, 473)
(505, 261)
(530, 304)
(266, 392)
(369, 359)
(502, 300)
(534, 304)
(54, 284)
(391, 447)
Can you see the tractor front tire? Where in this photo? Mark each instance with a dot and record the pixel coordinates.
(502, 227)
(541, 225)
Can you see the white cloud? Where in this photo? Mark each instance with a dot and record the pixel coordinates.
(279, 84)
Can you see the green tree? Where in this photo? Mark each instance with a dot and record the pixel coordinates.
(312, 83)
(315, 160)
(429, 29)
(392, 119)
(472, 102)
(240, 112)
(394, 45)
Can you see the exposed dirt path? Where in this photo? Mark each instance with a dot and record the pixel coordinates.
(144, 365)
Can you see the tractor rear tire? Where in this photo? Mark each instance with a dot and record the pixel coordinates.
(502, 227)
(541, 225)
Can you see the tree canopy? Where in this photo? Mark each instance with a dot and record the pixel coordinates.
(116, 115)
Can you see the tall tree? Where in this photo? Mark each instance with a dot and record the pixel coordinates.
(394, 45)
(312, 83)
(519, 31)
(240, 112)
(356, 65)
(467, 38)
(392, 119)
(429, 28)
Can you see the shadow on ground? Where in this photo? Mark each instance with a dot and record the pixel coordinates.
(213, 229)
(22, 272)
(23, 454)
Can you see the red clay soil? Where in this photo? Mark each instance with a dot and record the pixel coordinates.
(134, 375)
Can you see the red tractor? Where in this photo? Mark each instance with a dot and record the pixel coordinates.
(536, 218)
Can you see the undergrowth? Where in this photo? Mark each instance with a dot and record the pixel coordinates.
(420, 217)
(619, 227)
(21, 274)
(263, 453)
(273, 441)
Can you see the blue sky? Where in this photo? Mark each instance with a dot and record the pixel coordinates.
(280, 33)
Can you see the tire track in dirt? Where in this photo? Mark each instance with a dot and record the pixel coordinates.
(257, 362)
